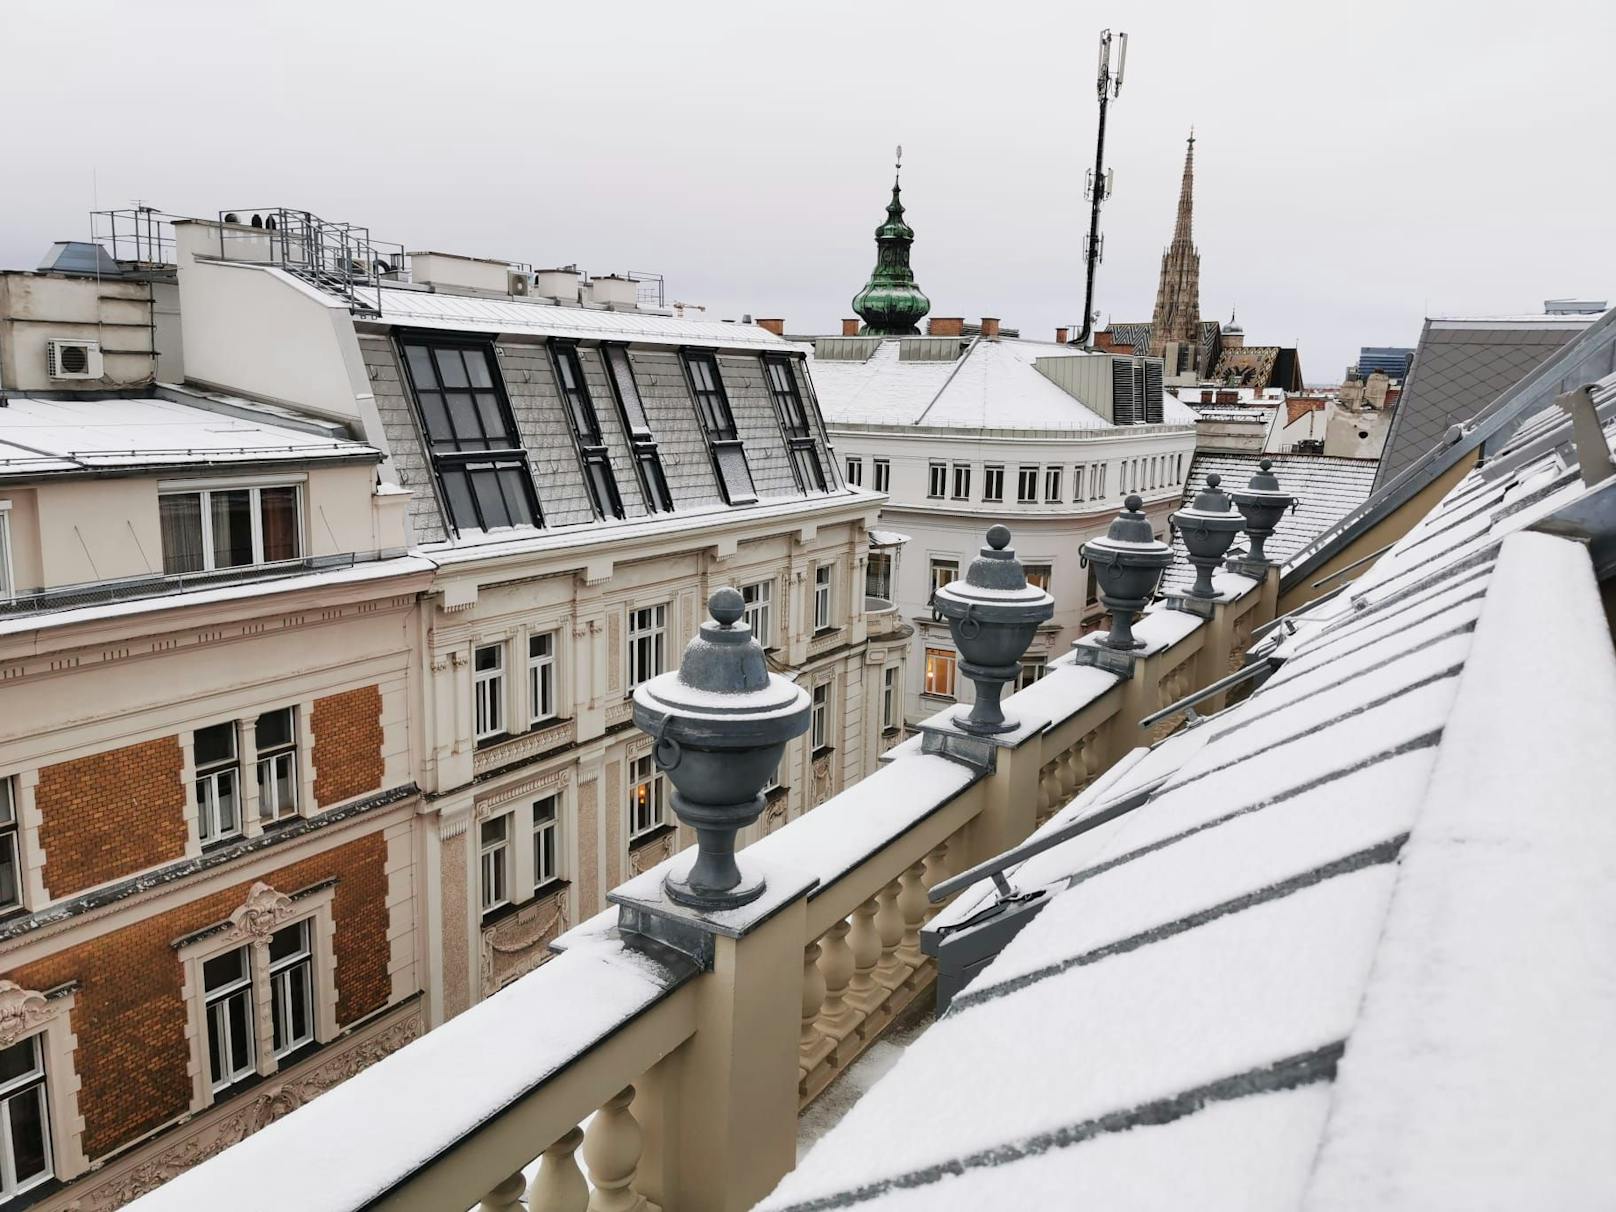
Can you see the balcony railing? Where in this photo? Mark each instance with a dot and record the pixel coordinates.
(626, 1071)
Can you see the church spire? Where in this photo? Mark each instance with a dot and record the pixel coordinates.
(1178, 295)
(890, 303)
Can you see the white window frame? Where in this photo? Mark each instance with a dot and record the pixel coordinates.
(647, 816)
(1032, 669)
(936, 480)
(35, 1083)
(758, 610)
(1077, 483)
(214, 1000)
(542, 682)
(1026, 485)
(855, 470)
(546, 839)
(11, 840)
(890, 695)
(647, 643)
(961, 476)
(993, 482)
(280, 993)
(824, 577)
(881, 474)
(1035, 569)
(932, 679)
(256, 519)
(494, 874)
(279, 763)
(206, 785)
(942, 570)
(1052, 485)
(488, 692)
(8, 584)
(820, 730)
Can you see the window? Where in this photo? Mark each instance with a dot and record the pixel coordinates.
(936, 480)
(889, 697)
(647, 806)
(218, 798)
(1077, 484)
(940, 664)
(1101, 489)
(476, 454)
(25, 1158)
(820, 729)
(219, 528)
(1027, 485)
(598, 475)
(647, 642)
(275, 738)
(642, 442)
(1052, 484)
(494, 850)
(878, 575)
(883, 474)
(962, 481)
(541, 676)
(1038, 575)
(855, 470)
(7, 587)
(291, 988)
(546, 831)
(488, 691)
(1178, 469)
(794, 420)
(10, 855)
(1093, 593)
(993, 483)
(755, 615)
(942, 572)
(228, 994)
(822, 579)
(712, 405)
(1031, 671)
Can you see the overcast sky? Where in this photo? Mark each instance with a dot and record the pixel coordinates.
(1359, 165)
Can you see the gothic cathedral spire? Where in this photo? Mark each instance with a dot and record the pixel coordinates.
(1178, 296)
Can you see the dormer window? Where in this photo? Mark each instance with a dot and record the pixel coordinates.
(642, 441)
(477, 458)
(597, 463)
(712, 405)
(211, 529)
(794, 421)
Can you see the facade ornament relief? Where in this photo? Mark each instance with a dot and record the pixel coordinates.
(21, 1010)
(521, 942)
(261, 913)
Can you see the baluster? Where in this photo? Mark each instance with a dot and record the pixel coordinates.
(1091, 757)
(912, 905)
(1048, 793)
(890, 969)
(612, 1147)
(506, 1197)
(559, 1185)
(936, 873)
(811, 1044)
(1074, 766)
(837, 1018)
(865, 940)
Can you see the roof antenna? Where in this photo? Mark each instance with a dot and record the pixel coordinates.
(1109, 86)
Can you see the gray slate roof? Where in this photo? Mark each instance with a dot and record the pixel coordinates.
(1328, 489)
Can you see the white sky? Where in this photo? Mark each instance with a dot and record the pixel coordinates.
(1359, 165)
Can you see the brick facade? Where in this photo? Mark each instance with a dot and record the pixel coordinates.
(130, 1014)
(347, 731)
(111, 814)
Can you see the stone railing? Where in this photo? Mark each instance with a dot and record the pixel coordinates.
(882, 618)
(661, 1059)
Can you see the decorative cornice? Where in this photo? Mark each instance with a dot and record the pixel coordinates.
(21, 1010)
(513, 791)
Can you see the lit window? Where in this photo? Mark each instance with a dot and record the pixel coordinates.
(494, 850)
(1027, 486)
(476, 453)
(488, 691)
(275, 738)
(228, 996)
(822, 580)
(25, 1158)
(647, 642)
(546, 831)
(598, 474)
(1038, 576)
(962, 481)
(218, 789)
(878, 575)
(642, 442)
(647, 806)
(889, 697)
(883, 474)
(221, 528)
(541, 676)
(1030, 672)
(993, 483)
(855, 470)
(942, 572)
(755, 613)
(1052, 484)
(820, 737)
(291, 988)
(10, 855)
(940, 663)
(936, 480)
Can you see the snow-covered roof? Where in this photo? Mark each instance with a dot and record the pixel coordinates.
(39, 437)
(1255, 414)
(1352, 952)
(991, 385)
(470, 313)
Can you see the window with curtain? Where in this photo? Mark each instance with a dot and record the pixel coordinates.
(213, 529)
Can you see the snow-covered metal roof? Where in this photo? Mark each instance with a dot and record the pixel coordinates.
(1352, 952)
(48, 437)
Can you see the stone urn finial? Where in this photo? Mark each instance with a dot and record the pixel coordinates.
(1208, 526)
(721, 723)
(1262, 504)
(1128, 563)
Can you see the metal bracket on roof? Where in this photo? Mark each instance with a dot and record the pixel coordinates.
(979, 753)
(1258, 668)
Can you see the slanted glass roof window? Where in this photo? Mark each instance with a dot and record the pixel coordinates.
(794, 420)
(729, 455)
(476, 455)
(603, 494)
(647, 458)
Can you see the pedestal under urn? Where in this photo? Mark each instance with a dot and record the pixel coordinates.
(993, 614)
(1128, 564)
(1208, 526)
(721, 723)
(1262, 504)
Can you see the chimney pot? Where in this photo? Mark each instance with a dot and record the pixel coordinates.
(945, 326)
(990, 327)
(777, 327)
(1062, 335)
(850, 328)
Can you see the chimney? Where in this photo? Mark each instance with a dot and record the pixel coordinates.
(1061, 335)
(945, 326)
(850, 328)
(990, 327)
(777, 327)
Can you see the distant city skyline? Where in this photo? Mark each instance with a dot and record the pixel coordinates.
(1356, 169)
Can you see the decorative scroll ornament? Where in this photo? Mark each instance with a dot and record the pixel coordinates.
(263, 911)
(21, 1010)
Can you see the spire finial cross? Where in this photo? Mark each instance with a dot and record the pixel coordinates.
(897, 164)
(1192, 138)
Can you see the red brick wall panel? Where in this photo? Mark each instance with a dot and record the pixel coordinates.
(347, 730)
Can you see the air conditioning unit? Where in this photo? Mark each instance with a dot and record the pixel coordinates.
(73, 359)
(519, 283)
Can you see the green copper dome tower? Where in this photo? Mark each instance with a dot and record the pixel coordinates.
(890, 304)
